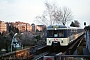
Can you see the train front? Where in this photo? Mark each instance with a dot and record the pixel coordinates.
(57, 36)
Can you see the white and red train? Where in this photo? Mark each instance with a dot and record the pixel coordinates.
(62, 35)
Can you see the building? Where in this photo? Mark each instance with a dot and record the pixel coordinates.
(22, 26)
(33, 27)
(40, 27)
(3, 26)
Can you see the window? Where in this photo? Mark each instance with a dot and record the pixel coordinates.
(55, 33)
(61, 33)
(50, 33)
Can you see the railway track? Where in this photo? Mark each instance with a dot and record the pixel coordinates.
(75, 44)
(44, 51)
(38, 57)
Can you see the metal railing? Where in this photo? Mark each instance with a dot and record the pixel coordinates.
(72, 57)
(19, 54)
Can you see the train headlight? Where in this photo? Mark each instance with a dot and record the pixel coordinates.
(55, 28)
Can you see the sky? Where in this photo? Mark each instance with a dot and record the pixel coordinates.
(27, 10)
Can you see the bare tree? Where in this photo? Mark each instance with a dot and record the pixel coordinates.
(48, 16)
(66, 15)
(54, 15)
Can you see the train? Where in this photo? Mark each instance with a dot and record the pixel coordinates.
(60, 35)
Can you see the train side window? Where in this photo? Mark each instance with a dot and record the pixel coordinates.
(50, 33)
(61, 34)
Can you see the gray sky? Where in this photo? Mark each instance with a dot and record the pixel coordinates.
(27, 10)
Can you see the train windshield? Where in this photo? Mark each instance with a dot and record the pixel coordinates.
(55, 33)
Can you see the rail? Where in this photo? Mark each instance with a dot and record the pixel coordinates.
(72, 48)
(41, 50)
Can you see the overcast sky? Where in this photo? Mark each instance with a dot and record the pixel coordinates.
(27, 10)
